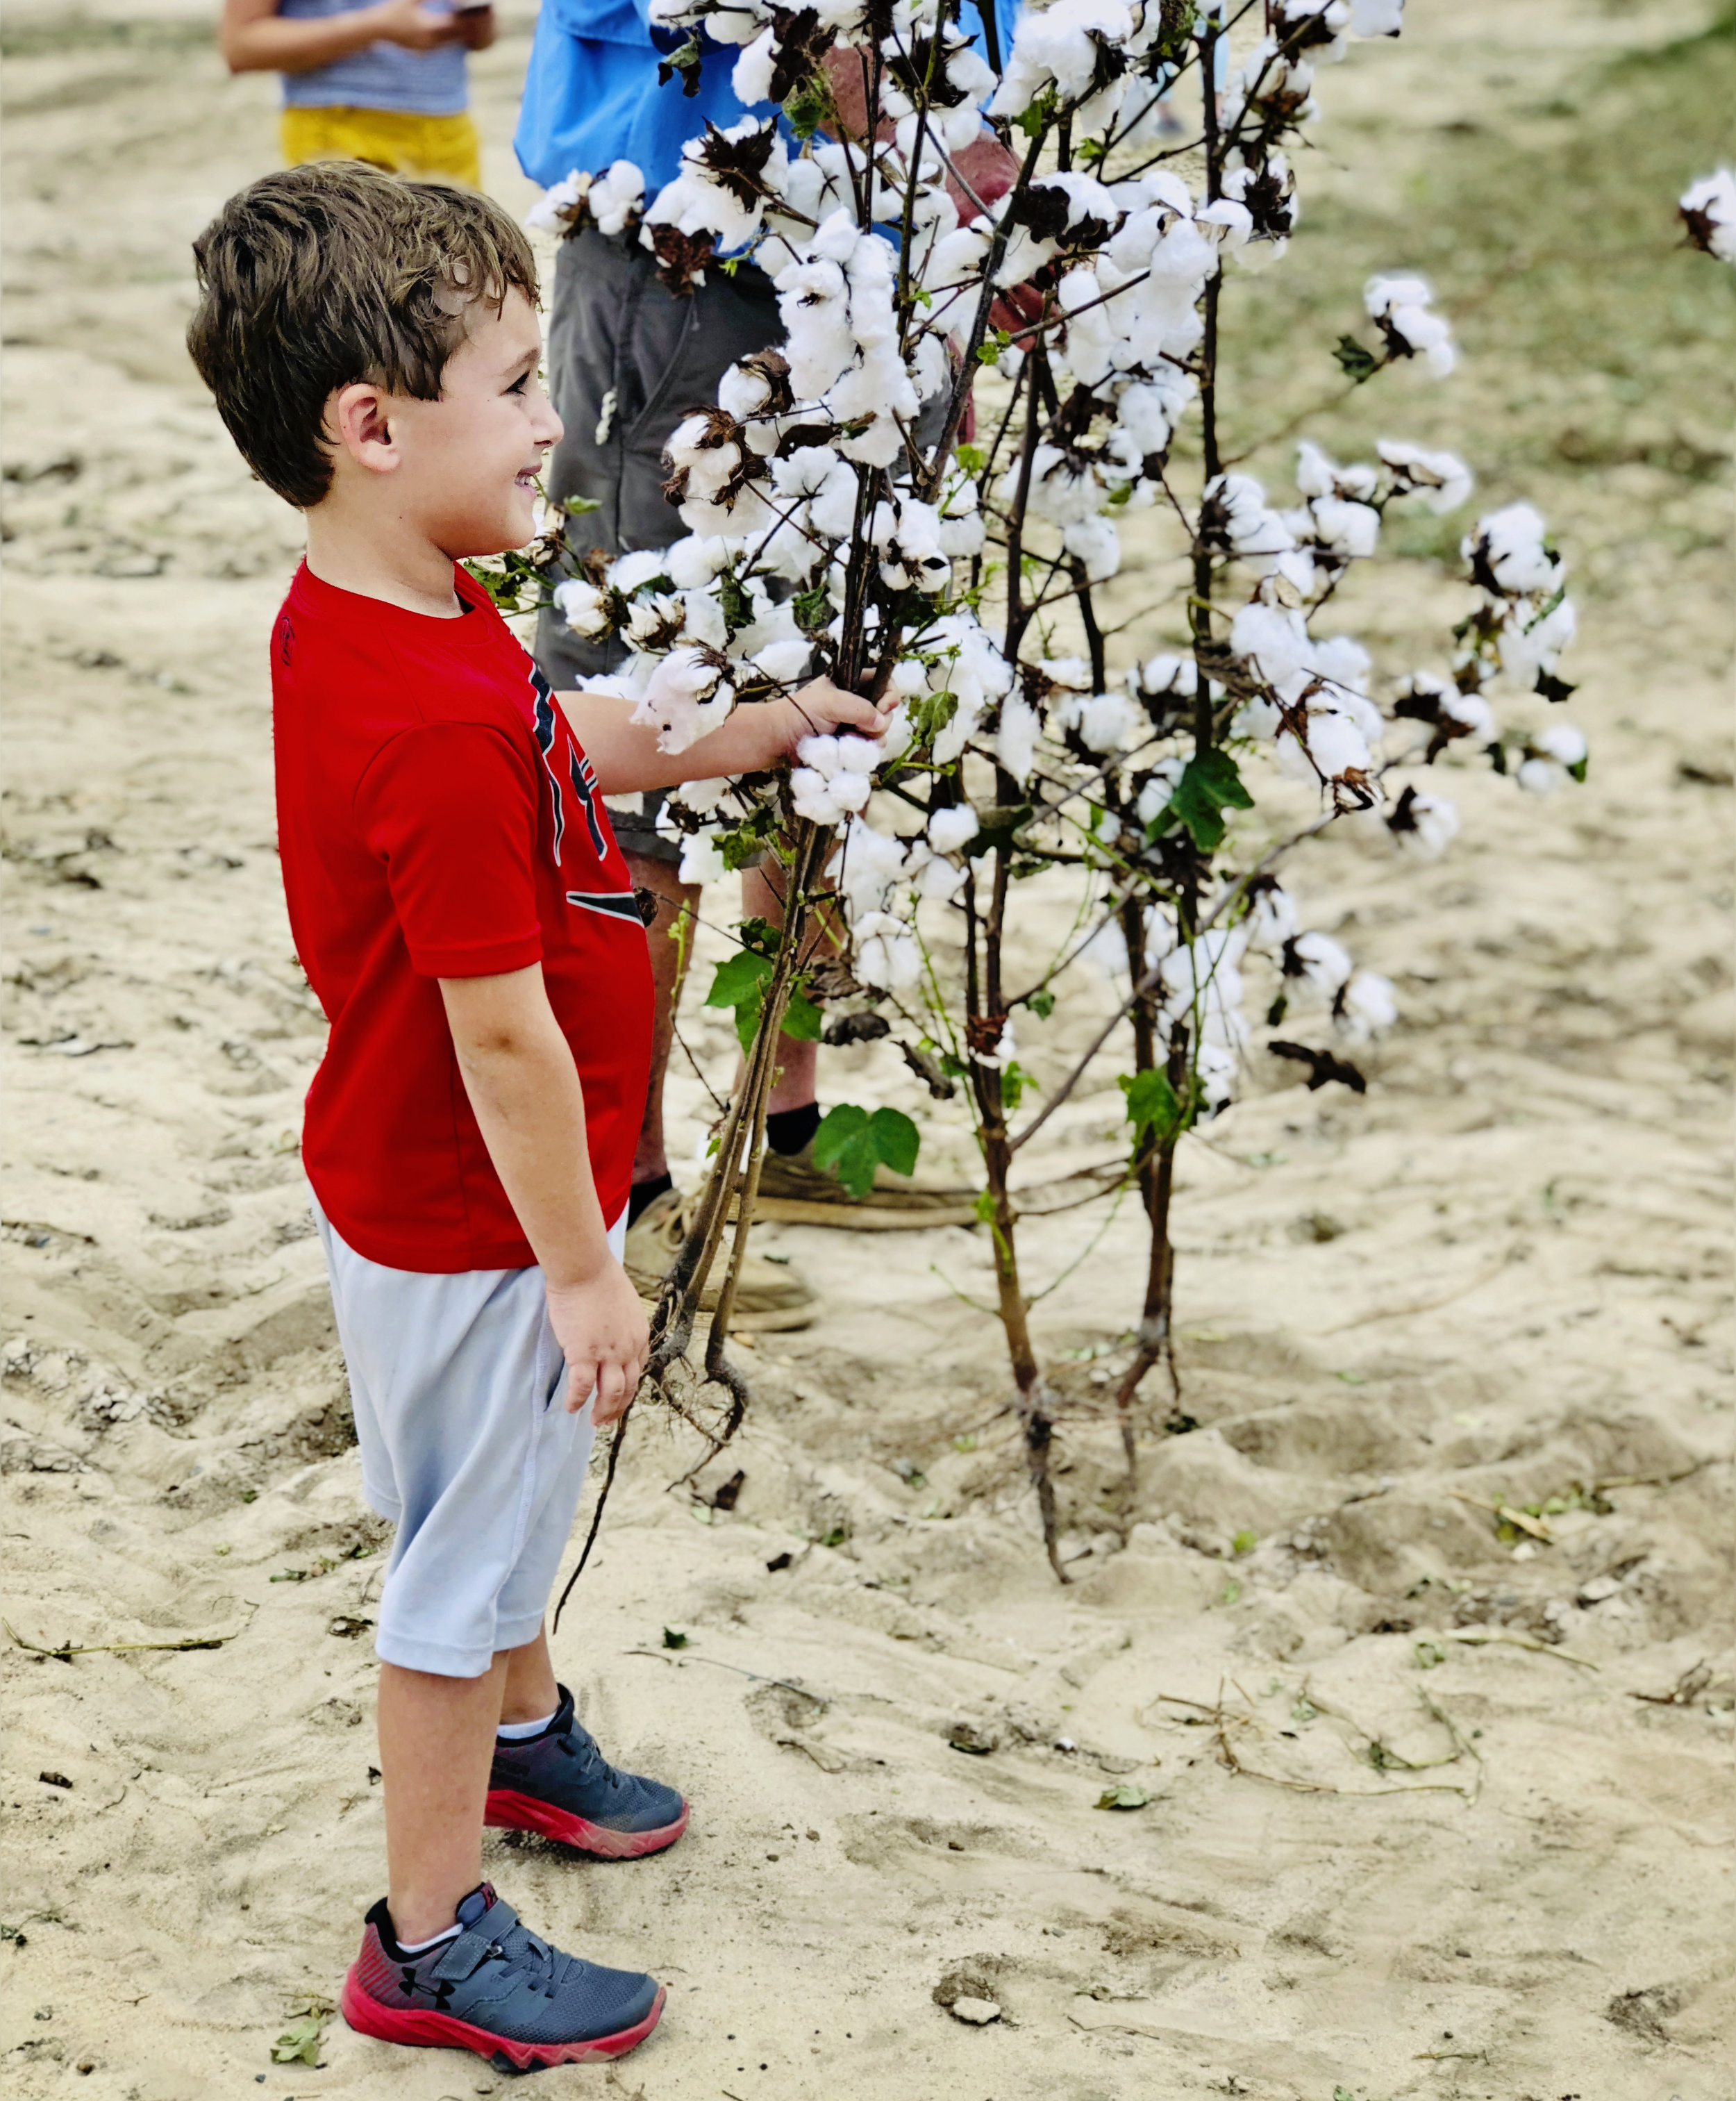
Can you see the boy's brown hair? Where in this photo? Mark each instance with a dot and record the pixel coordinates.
(321, 276)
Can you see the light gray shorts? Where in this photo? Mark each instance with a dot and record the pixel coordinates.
(459, 1388)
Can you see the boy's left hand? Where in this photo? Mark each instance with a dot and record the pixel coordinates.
(820, 709)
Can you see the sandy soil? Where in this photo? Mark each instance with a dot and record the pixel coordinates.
(1503, 1273)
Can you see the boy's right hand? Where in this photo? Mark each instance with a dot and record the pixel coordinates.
(415, 27)
(602, 1329)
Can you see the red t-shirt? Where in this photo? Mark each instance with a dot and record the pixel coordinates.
(437, 819)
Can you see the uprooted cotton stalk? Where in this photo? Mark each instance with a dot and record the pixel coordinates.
(846, 512)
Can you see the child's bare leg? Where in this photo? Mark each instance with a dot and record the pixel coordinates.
(531, 1692)
(436, 1745)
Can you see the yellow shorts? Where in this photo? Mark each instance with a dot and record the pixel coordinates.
(395, 140)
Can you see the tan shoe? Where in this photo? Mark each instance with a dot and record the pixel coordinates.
(791, 1188)
(770, 1295)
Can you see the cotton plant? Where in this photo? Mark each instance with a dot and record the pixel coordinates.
(837, 518)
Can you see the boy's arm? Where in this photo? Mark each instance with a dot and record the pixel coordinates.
(624, 756)
(253, 39)
(519, 1073)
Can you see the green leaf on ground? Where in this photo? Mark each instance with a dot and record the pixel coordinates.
(299, 2043)
(1123, 1796)
(674, 1637)
(1244, 1542)
(852, 1144)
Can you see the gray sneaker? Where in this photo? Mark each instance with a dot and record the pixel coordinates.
(497, 1990)
(559, 1784)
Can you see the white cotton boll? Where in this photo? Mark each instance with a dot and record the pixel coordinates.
(628, 572)
(1376, 18)
(1316, 966)
(1370, 723)
(1422, 825)
(1342, 659)
(1471, 710)
(751, 78)
(1015, 741)
(806, 472)
(1537, 776)
(1403, 306)
(1528, 648)
(950, 830)
(1318, 475)
(869, 867)
(930, 368)
(1106, 722)
(1270, 920)
(810, 795)
(1155, 797)
(1441, 479)
(701, 859)
(583, 608)
(684, 697)
(1214, 1075)
(1708, 208)
(660, 615)
(1367, 1008)
(703, 796)
(1273, 640)
(1563, 743)
(962, 537)
(909, 676)
(549, 213)
(1337, 745)
(1157, 675)
(1095, 542)
(785, 661)
(887, 956)
(743, 392)
(1511, 541)
(692, 563)
(879, 445)
(1352, 531)
(831, 511)
(614, 197)
(1234, 221)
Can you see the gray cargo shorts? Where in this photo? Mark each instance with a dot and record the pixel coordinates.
(627, 360)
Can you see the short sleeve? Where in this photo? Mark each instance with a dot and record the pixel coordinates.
(451, 809)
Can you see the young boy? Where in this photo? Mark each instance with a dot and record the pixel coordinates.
(381, 81)
(464, 914)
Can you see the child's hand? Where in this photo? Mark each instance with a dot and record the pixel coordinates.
(821, 708)
(415, 27)
(601, 1327)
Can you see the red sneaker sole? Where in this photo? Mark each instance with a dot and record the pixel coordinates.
(406, 2024)
(508, 1812)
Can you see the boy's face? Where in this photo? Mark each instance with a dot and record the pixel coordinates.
(467, 463)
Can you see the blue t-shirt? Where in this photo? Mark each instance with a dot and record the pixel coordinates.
(591, 94)
(380, 77)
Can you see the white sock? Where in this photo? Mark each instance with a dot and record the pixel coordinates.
(422, 1947)
(516, 1732)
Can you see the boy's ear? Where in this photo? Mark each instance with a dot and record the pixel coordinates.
(358, 421)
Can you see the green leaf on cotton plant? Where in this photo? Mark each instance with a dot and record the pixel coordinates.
(1359, 364)
(803, 1019)
(853, 1144)
(741, 983)
(1209, 785)
(1153, 1106)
